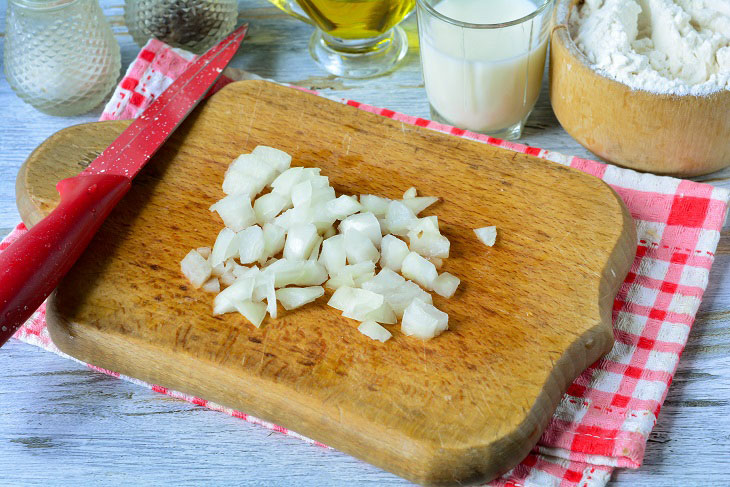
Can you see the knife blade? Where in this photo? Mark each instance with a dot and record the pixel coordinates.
(32, 266)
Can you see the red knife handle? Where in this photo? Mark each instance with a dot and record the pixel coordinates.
(32, 266)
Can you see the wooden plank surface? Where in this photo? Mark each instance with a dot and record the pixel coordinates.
(61, 423)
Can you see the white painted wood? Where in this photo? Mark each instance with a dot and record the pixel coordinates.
(62, 424)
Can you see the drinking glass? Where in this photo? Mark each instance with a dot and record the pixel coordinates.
(483, 61)
(60, 56)
(354, 38)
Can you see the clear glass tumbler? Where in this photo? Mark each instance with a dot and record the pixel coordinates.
(194, 25)
(60, 56)
(483, 61)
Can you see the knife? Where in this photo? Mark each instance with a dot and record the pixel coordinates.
(32, 267)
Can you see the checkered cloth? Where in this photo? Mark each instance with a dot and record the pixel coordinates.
(605, 418)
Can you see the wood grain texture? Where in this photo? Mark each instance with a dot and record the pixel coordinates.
(690, 135)
(461, 408)
(63, 424)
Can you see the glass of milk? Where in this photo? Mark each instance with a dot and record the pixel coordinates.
(483, 61)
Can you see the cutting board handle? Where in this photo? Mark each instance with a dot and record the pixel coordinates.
(32, 266)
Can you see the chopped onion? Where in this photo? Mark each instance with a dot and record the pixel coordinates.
(410, 193)
(333, 255)
(250, 244)
(419, 203)
(355, 303)
(295, 297)
(245, 272)
(212, 285)
(429, 244)
(301, 194)
(238, 182)
(419, 270)
(222, 305)
(253, 312)
(374, 204)
(314, 255)
(373, 330)
(240, 290)
(227, 278)
(285, 181)
(393, 250)
(322, 195)
(255, 168)
(204, 251)
(264, 289)
(436, 261)
(386, 282)
(297, 273)
(268, 206)
(445, 284)
(299, 241)
(423, 320)
(365, 223)
(399, 218)
(320, 182)
(217, 270)
(352, 275)
(384, 314)
(236, 212)
(274, 238)
(359, 248)
(488, 235)
(329, 232)
(225, 247)
(196, 268)
(425, 224)
(402, 297)
(343, 207)
(276, 158)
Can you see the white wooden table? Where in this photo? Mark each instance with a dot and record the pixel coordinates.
(61, 424)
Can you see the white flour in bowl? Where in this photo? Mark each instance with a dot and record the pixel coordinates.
(663, 46)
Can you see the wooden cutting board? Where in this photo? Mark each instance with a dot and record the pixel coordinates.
(531, 313)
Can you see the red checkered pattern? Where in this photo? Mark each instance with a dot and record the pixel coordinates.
(604, 419)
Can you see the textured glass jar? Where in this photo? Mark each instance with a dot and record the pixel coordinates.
(194, 25)
(60, 55)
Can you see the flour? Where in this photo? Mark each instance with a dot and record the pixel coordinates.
(663, 46)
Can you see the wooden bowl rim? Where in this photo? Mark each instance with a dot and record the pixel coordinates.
(561, 32)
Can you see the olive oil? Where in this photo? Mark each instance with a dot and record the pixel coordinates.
(354, 19)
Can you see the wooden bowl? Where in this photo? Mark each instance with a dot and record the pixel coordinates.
(664, 134)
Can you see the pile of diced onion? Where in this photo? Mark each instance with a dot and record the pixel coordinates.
(285, 244)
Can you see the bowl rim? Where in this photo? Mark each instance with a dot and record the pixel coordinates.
(561, 29)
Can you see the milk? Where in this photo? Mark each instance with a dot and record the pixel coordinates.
(484, 80)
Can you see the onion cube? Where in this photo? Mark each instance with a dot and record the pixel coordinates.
(359, 248)
(423, 320)
(276, 158)
(419, 270)
(301, 194)
(295, 297)
(204, 251)
(365, 223)
(212, 285)
(373, 330)
(222, 305)
(314, 255)
(374, 204)
(253, 312)
(196, 268)
(285, 181)
(429, 244)
(399, 218)
(236, 212)
(274, 238)
(445, 284)
(392, 252)
(298, 273)
(254, 167)
(420, 203)
(410, 193)
(352, 275)
(384, 283)
(268, 206)
(225, 247)
(384, 314)
(488, 235)
(299, 241)
(238, 182)
(343, 207)
(355, 303)
(251, 244)
(333, 255)
(264, 289)
(400, 298)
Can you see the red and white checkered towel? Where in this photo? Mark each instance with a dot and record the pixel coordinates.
(606, 416)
